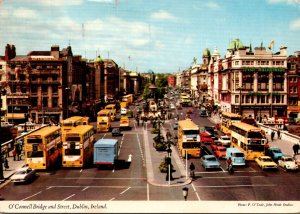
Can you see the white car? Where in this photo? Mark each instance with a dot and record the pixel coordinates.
(287, 162)
(225, 140)
(123, 111)
(23, 174)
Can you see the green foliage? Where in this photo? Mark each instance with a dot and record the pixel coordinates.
(163, 167)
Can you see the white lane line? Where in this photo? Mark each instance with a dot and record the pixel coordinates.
(97, 186)
(81, 170)
(32, 196)
(125, 190)
(68, 197)
(148, 192)
(141, 150)
(196, 192)
(49, 188)
(84, 189)
(242, 185)
(87, 178)
(230, 177)
(112, 199)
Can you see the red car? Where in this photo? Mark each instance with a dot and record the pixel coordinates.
(215, 144)
(205, 137)
(220, 152)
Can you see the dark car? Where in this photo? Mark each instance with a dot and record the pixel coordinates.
(116, 132)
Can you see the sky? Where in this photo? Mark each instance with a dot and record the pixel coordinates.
(141, 35)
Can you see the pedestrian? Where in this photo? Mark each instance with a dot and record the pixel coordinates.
(192, 170)
(6, 149)
(6, 164)
(278, 133)
(229, 162)
(14, 152)
(295, 149)
(272, 135)
(168, 134)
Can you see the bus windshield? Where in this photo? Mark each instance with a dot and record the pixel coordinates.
(72, 152)
(72, 138)
(255, 135)
(35, 154)
(188, 145)
(34, 140)
(191, 132)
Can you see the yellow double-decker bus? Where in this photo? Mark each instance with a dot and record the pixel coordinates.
(43, 148)
(69, 123)
(189, 139)
(113, 110)
(78, 146)
(227, 119)
(103, 120)
(249, 139)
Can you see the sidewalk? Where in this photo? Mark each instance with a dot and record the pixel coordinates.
(13, 166)
(154, 158)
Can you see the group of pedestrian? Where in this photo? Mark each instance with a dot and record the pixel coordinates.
(273, 135)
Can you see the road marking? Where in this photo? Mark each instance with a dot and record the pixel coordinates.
(84, 189)
(214, 172)
(125, 190)
(242, 185)
(141, 150)
(49, 188)
(97, 186)
(31, 196)
(81, 178)
(230, 177)
(68, 197)
(196, 192)
(81, 170)
(112, 199)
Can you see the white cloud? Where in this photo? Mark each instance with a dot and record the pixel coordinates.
(295, 25)
(290, 2)
(24, 13)
(162, 15)
(104, 1)
(212, 5)
(59, 3)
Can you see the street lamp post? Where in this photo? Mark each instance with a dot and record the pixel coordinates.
(67, 94)
(169, 150)
(240, 89)
(2, 92)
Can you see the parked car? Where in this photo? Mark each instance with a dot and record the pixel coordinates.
(274, 152)
(116, 132)
(265, 162)
(220, 152)
(23, 175)
(225, 140)
(210, 162)
(287, 162)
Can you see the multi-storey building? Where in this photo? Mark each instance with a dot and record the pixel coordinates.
(171, 81)
(293, 109)
(253, 84)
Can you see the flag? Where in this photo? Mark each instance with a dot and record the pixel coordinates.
(271, 44)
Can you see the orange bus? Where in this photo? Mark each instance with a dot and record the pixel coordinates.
(43, 148)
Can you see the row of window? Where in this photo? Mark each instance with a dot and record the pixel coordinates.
(259, 62)
(260, 99)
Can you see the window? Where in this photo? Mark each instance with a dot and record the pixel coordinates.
(236, 98)
(54, 102)
(236, 62)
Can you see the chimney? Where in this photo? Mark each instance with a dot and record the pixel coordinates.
(55, 51)
(10, 52)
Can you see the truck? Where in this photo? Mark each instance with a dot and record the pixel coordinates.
(106, 152)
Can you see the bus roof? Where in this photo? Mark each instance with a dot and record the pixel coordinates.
(188, 125)
(106, 142)
(80, 129)
(246, 127)
(110, 106)
(104, 111)
(230, 114)
(45, 131)
(74, 118)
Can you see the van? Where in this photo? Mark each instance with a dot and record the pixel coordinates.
(106, 152)
(237, 156)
